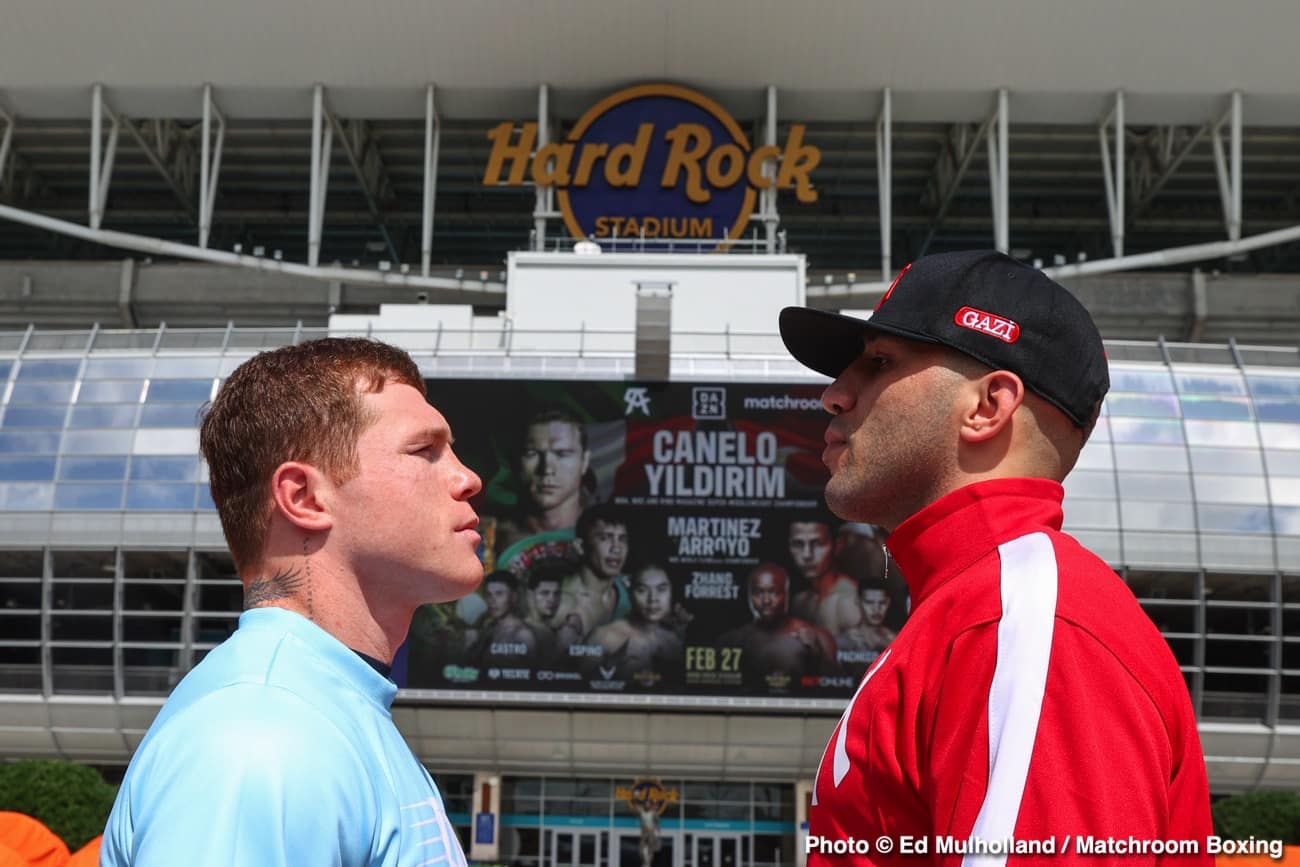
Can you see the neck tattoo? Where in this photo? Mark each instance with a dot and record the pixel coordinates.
(281, 585)
(306, 560)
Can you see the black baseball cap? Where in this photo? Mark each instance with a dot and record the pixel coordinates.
(982, 303)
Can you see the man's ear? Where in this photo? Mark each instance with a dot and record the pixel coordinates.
(301, 495)
(995, 397)
(586, 461)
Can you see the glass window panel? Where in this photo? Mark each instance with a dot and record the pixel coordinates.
(81, 627)
(155, 565)
(1155, 515)
(179, 390)
(1131, 430)
(230, 361)
(1291, 654)
(110, 391)
(135, 657)
(103, 415)
(1286, 521)
(34, 416)
(1238, 587)
(222, 597)
(94, 593)
(151, 629)
(1090, 483)
(26, 497)
(82, 671)
(93, 469)
(98, 442)
(20, 627)
(215, 566)
(5, 367)
(152, 468)
(48, 368)
(1282, 463)
(1262, 385)
(1235, 696)
(87, 496)
(1209, 459)
(214, 629)
(1142, 405)
(173, 367)
(1149, 379)
(1101, 431)
(27, 469)
(1278, 410)
(1235, 519)
(1205, 382)
(41, 391)
(1290, 709)
(22, 564)
(1149, 584)
(1221, 433)
(162, 496)
(1184, 649)
(1231, 408)
(1235, 653)
(1155, 486)
(114, 368)
(170, 415)
(1280, 436)
(166, 441)
(19, 594)
(1284, 490)
(152, 596)
(1095, 456)
(1151, 458)
(204, 502)
(1229, 489)
(29, 442)
(1172, 618)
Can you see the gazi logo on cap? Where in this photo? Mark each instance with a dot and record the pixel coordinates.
(654, 161)
(988, 323)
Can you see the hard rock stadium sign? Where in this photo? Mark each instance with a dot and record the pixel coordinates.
(654, 161)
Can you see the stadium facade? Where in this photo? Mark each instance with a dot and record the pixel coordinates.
(174, 202)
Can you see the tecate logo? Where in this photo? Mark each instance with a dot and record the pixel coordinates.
(988, 323)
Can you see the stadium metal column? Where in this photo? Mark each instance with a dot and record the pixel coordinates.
(209, 164)
(999, 183)
(432, 141)
(885, 180)
(101, 154)
(544, 205)
(1229, 173)
(1114, 179)
(321, 138)
(767, 197)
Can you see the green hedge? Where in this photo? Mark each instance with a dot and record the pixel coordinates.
(1261, 815)
(71, 800)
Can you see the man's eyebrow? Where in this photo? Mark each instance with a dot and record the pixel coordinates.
(437, 433)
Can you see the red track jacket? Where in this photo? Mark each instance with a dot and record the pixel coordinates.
(1027, 698)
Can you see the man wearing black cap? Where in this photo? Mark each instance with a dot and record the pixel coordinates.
(1028, 698)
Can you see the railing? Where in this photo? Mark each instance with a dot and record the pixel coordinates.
(501, 338)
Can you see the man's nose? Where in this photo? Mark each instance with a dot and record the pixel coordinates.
(837, 397)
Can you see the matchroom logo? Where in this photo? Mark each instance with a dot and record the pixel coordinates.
(655, 160)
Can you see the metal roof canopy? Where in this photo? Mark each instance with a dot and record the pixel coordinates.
(944, 69)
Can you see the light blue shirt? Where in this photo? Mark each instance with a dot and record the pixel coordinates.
(278, 749)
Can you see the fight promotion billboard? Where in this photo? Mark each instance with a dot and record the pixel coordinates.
(665, 538)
